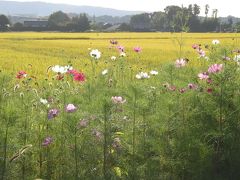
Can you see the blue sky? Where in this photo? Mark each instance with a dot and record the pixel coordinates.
(229, 7)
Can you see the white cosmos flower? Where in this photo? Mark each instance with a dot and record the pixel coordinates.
(96, 54)
(142, 75)
(44, 102)
(215, 41)
(105, 71)
(61, 69)
(236, 58)
(153, 72)
(113, 58)
(122, 54)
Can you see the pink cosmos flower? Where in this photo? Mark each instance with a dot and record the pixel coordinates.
(192, 86)
(118, 100)
(70, 108)
(180, 63)
(215, 68)
(120, 48)
(201, 53)
(83, 123)
(21, 74)
(52, 113)
(47, 141)
(203, 76)
(72, 72)
(98, 135)
(137, 49)
(195, 46)
(80, 77)
(182, 90)
(172, 88)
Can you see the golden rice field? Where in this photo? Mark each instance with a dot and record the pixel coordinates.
(42, 50)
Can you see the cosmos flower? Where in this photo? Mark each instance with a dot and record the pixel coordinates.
(182, 90)
(113, 42)
(72, 72)
(180, 63)
(236, 58)
(96, 54)
(98, 135)
(215, 68)
(142, 75)
(82, 124)
(153, 72)
(120, 48)
(137, 49)
(192, 86)
(113, 58)
(21, 74)
(215, 41)
(47, 141)
(80, 77)
(225, 58)
(201, 53)
(61, 69)
(52, 113)
(118, 100)
(44, 102)
(203, 76)
(70, 108)
(195, 46)
(104, 72)
(122, 54)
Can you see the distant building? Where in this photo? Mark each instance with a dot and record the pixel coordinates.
(113, 28)
(37, 23)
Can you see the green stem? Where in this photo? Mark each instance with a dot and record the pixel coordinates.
(5, 150)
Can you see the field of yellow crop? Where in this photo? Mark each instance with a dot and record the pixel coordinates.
(41, 50)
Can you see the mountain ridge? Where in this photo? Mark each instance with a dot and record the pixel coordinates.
(38, 8)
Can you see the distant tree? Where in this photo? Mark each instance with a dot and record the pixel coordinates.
(81, 23)
(159, 21)
(58, 19)
(141, 22)
(206, 10)
(173, 17)
(214, 13)
(196, 10)
(124, 27)
(4, 23)
(210, 25)
(18, 26)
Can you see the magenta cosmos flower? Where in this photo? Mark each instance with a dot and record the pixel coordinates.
(80, 77)
(21, 74)
(52, 113)
(215, 68)
(47, 141)
(203, 76)
(70, 108)
(118, 100)
(137, 49)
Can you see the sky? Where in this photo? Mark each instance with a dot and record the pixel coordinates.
(225, 7)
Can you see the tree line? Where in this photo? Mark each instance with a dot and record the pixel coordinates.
(172, 19)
